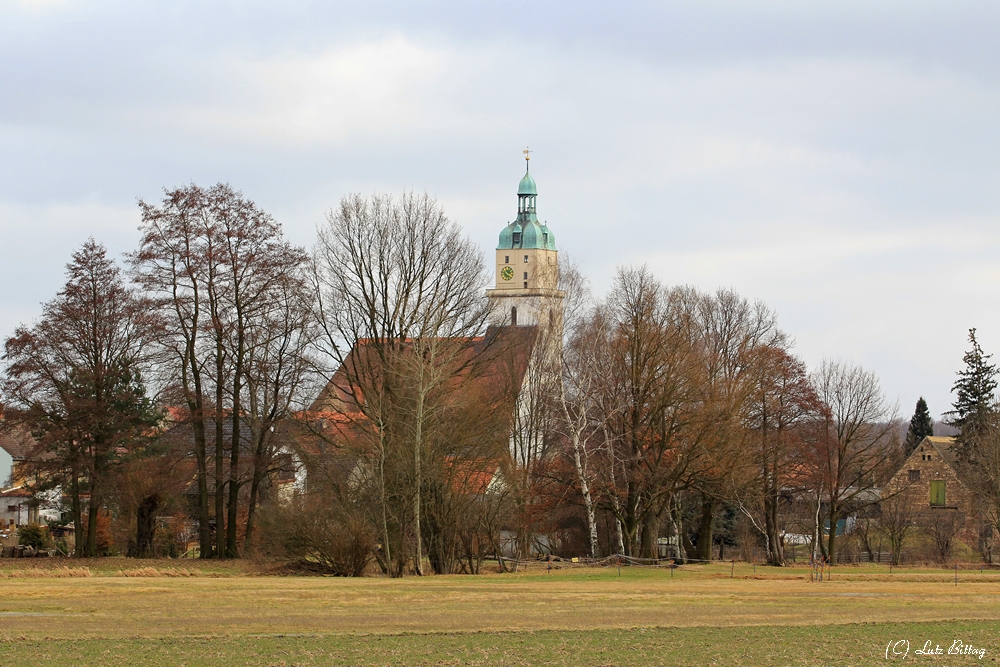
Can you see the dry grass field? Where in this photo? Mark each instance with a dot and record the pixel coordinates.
(119, 612)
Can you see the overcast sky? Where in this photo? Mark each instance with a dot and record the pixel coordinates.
(838, 161)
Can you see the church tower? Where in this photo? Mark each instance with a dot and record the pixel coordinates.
(526, 290)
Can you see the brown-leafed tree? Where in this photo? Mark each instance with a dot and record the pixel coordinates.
(781, 408)
(652, 423)
(76, 378)
(735, 336)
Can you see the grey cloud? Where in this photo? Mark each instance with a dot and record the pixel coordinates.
(838, 161)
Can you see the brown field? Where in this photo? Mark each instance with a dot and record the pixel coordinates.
(177, 606)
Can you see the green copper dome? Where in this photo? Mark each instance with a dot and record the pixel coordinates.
(527, 186)
(526, 231)
(530, 235)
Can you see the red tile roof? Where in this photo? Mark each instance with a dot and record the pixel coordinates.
(502, 354)
(17, 441)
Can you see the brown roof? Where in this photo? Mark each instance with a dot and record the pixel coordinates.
(17, 441)
(501, 354)
(493, 366)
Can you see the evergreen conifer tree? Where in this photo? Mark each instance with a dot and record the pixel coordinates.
(974, 393)
(921, 426)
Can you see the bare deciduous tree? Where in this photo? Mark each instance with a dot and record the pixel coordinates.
(897, 520)
(576, 394)
(858, 441)
(400, 292)
(213, 262)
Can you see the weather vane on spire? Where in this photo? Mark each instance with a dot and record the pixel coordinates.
(527, 153)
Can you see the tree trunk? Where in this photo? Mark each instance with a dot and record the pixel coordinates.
(417, 443)
(234, 466)
(251, 512)
(703, 550)
(630, 524)
(196, 404)
(588, 502)
(96, 478)
(650, 533)
(145, 526)
(386, 551)
(79, 536)
(831, 549)
(201, 459)
(261, 461)
(775, 552)
(220, 484)
(679, 555)
(234, 454)
(91, 550)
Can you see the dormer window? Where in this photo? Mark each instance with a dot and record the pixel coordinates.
(545, 238)
(517, 238)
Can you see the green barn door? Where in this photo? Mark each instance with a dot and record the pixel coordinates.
(937, 492)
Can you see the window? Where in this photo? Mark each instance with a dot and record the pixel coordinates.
(525, 284)
(506, 259)
(11, 508)
(545, 238)
(914, 475)
(513, 316)
(525, 275)
(937, 493)
(517, 239)
(525, 259)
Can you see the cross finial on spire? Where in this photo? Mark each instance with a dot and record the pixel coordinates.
(527, 153)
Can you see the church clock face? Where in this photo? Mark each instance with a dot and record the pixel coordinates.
(507, 273)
